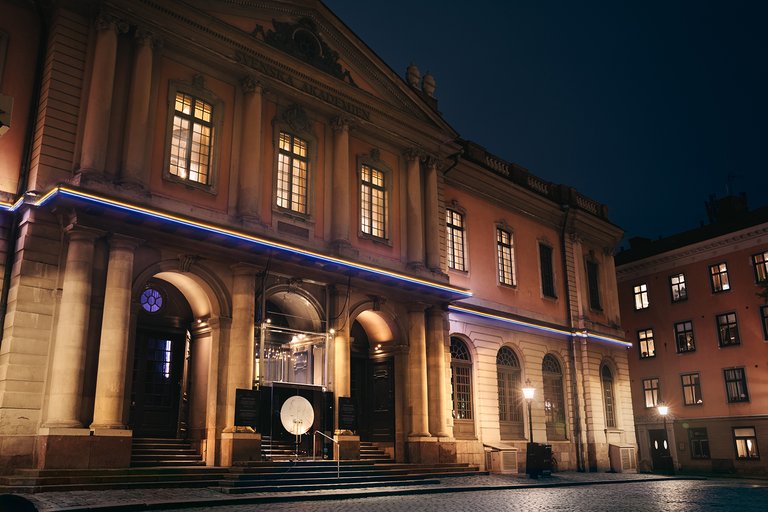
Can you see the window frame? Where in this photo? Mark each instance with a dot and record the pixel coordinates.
(764, 318)
(694, 386)
(760, 261)
(505, 256)
(197, 91)
(592, 268)
(654, 388)
(746, 439)
(644, 340)
(291, 155)
(701, 442)
(716, 274)
(679, 287)
(737, 380)
(378, 166)
(640, 294)
(547, 270)
(456, 246)
(509, 380)
(688, 329)
(727, 330)
(555, 418)
(465, 364)
(609, 396)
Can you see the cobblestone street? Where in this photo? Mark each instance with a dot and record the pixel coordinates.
(673, 495)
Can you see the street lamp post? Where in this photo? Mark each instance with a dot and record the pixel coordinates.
(530, 463)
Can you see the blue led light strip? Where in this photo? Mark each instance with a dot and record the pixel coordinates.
(64, 191)
(562, 332)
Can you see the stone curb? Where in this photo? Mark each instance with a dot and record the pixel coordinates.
(327, 496)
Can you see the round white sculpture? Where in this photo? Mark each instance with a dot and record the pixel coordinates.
(297, 415)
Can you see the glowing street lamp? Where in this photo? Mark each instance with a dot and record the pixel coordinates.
(528, 392)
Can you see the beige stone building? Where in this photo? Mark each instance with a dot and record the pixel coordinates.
(214, 207)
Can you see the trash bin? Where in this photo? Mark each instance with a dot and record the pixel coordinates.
(538, 460)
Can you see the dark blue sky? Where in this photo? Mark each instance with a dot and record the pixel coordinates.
(647, 106)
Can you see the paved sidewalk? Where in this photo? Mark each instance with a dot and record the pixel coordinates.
(157, 499)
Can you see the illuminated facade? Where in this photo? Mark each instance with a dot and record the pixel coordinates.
(225, 196)
(695, 306)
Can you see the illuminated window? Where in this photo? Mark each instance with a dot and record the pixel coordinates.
(461, 380)
(760, 262)
(510, 392)
(454, 224)
(719, 277)
(608, 397)
(293, 173)
(699, 441)
(505, 257)
(691, 389)
(593, 284)
(554, 401)
(547, 269)
(151, 300)
(746, 443)
(641, 296)
(736, 385)
(684, 337)
(677, 285)
(373, 202)
(646, 343)
(727, 329)
(191, 145)
(651, 392)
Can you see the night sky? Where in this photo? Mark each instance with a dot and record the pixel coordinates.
(647, 106)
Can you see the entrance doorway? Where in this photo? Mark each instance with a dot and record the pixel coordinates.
(372, 389)
(661, 457)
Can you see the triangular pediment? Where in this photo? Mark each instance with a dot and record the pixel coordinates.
(308, 33)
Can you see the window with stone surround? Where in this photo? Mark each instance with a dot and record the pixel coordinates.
(646, 343)
(455, 230)
(719, 277)
(677, 287)
(760, 263)
(505, 256)
(684, 340)
(373, 202)
(651, 392)
(691, 389)
(699, 442)
(727, 330)
(736, 385)
(554, 400)
(292, 189)
(641, 296)
(510, 394)
(745, 440)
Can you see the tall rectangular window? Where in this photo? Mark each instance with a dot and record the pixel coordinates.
(760, 262)
(746, 443)
(641, 296)
(677, 285)
(505, 257)
(684, 337)
(651, 392)
(547, 271)
(764, 318)
(646, 343)
(454, 225)
(594, 285)
(373, 202)
(699, 441)
(719, 277)
(691, 389)
(191, 144)
(727, 329)
(293, 173)
(736, 385)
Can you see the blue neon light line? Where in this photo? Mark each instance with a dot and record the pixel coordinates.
(562, 332)
(239, 236)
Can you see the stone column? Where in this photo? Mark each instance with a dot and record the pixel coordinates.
(417, 373)
(137, 127)
(249, 192)
(436, 373)
(432, 216)
(96, 127)
(113, 349)
(240, 354)
(413, 212)
(341, 345)
(68, 360)
(340, 218)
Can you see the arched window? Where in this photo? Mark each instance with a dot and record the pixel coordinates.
(510, 394)
(461, 388)
(610, 414)
(554, 402)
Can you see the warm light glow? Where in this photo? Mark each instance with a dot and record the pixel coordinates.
(528, 391)
(663, 410)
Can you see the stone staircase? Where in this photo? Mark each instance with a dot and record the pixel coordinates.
(371, 453)
(156, 452)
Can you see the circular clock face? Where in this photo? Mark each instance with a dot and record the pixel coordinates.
(297, 415)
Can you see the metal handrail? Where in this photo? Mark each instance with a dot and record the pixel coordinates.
(314, 450)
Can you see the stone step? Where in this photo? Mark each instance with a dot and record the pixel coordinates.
(325, 486)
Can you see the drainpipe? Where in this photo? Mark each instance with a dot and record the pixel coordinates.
(13, 229)
(572, 349)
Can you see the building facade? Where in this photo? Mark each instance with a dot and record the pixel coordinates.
(211, 208)
(695, 306)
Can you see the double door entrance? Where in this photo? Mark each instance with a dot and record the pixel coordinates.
(372, 388)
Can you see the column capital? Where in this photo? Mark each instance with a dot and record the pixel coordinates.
(119, 241)
(106, 22)
(430, 161)
(341, 123)
(249, 84)
(144, 37)
(245, 269)
(413, 153)
(82, 233)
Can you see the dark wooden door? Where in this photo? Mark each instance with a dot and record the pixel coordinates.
(382, 402)
(157, 381)
(660, 454)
